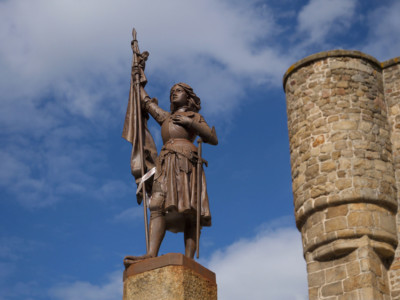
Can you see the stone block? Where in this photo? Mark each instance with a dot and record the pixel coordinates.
(316, 279)
(336, 224)
(312, 171)
(343, 183)
(340, 145)
(332, 289)
(343, 84)
(313, 293)
(353, 268)
(318, 141)
(328, 166)
(169, 277)
(336, 211)
(361, 281)
(349, 296)
(371, 293)
(345, 125)
(360, 219)
(336, 274)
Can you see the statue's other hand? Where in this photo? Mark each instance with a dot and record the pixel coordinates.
(182, 120)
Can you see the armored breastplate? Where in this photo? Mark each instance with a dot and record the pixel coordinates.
(169, 130)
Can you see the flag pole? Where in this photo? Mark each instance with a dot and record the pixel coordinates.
(136, 80)
(198, 213)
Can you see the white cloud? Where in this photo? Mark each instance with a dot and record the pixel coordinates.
(384, 38)
(268, 266)
(39, 174)
(83, 290)
(11, 168)
(80, 51)
(114, 189)
(15, 255)
(130, 214)
(319, 18)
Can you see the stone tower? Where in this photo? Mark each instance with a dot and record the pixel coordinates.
(343, 112)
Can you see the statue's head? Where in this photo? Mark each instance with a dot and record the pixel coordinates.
(182, 95)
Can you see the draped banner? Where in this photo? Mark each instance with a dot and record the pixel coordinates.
(131, 125)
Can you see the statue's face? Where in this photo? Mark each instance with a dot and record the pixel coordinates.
(178, 96)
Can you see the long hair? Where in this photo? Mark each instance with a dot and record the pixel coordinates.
(194, 103)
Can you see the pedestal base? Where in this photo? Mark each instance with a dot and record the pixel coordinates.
(169, 277)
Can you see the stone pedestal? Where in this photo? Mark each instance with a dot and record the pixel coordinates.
(169, 277)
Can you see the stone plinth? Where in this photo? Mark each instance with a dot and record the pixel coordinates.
(169, 277)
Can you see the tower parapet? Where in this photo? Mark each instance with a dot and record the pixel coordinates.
(343, 159)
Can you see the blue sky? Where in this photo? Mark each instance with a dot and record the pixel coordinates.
(68, 213)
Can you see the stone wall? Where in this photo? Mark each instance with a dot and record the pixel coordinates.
(391, 79)
(343, 174)
(358, 275)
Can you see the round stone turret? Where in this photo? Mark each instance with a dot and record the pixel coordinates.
(344, 184)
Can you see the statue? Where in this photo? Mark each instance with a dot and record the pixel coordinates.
(175, 178)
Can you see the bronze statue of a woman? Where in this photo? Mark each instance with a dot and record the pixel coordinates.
(175, 188)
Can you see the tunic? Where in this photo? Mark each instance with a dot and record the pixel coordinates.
(176, 169)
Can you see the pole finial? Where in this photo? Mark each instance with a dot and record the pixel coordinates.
(134, 33)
